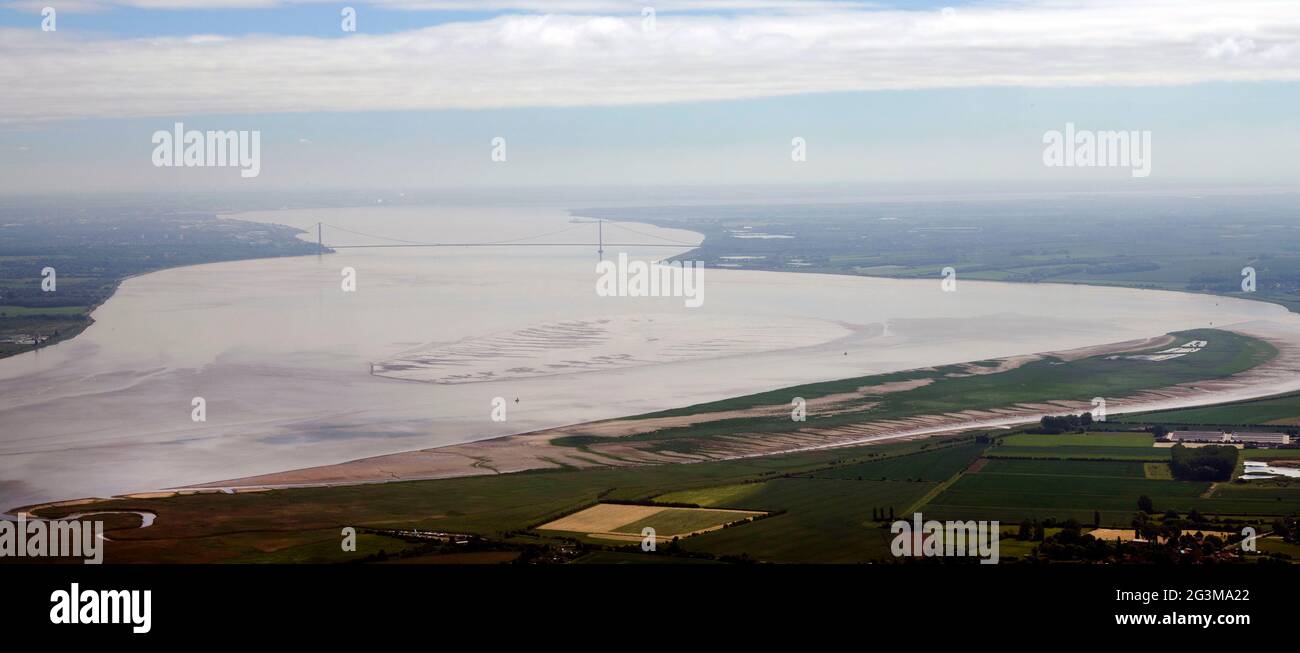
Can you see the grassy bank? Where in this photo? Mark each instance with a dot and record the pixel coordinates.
(953, 388)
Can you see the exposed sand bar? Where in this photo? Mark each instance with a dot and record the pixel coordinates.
(536, 450)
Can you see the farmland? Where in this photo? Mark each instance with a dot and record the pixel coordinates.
(303, 524)
(821, 507)
(825, 521)
(626, 521)
(1059, 477)
(1093, 446)
(1014, 497)
(1282, 410)
(1079, 468)
(934, 467)
(828, 506)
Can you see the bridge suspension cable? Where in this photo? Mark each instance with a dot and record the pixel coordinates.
(519, 241)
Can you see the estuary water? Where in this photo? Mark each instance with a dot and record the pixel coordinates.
(294, 371)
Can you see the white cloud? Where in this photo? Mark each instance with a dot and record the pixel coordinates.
(566, 60)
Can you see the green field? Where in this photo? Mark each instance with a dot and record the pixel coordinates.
(323, 548)
(826, 506)
(1137, 447)
(1065, 468)
(1013, 497)
(1279, 410)
(1275, 545)
(1012, 490)
(709, 497)
(1151, 454)
(670, 522)
(825, 521)
(1251, 499)
(27, 311)
(933, 466)
(1091, 440)
(301, 523)
(1157, 471)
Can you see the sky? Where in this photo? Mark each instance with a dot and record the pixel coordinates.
(608, 93)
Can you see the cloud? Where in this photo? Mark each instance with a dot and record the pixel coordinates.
(587, 60)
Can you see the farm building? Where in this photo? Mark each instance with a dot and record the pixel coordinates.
(1251, 437)
(1199, 436)
(1261, 437)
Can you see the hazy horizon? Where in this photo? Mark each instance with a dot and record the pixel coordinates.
(448, 95)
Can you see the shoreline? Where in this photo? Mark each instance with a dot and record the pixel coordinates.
(89, 311)
(534, 450)
(466, 459)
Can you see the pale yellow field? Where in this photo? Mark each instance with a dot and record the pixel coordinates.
(611, 521)
(601, 518)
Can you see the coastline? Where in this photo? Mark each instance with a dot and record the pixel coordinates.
(88, 311)
(535, 450)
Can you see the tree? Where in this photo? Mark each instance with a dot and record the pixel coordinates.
(1096, 519)
(1208, 463)
(1145, 505)
(1052, 425)
(1159, 431)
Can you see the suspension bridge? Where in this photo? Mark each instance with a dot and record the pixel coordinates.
(523, 241)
